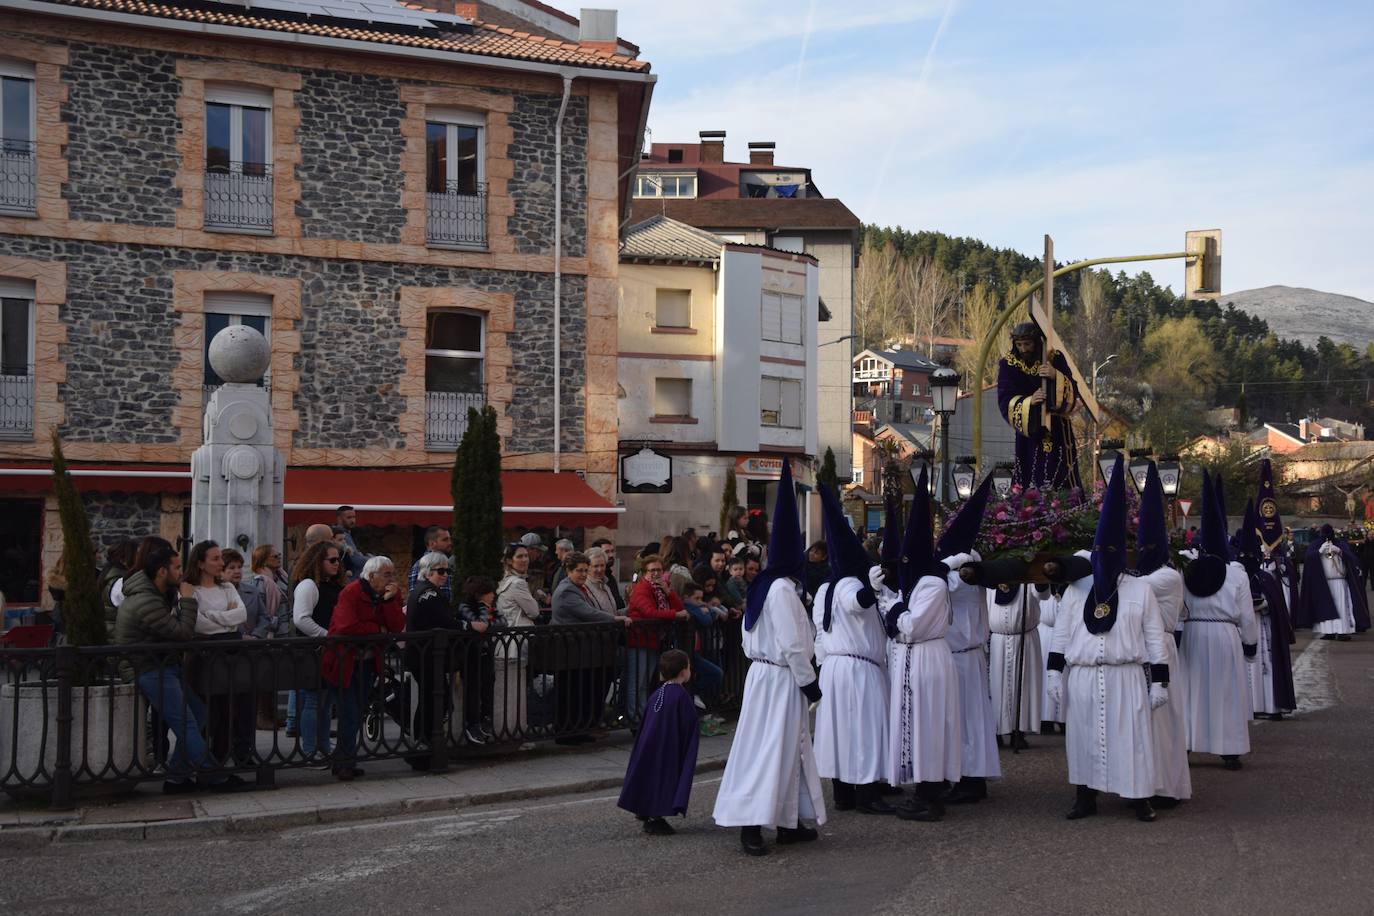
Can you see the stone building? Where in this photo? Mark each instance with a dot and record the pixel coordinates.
(375, 187)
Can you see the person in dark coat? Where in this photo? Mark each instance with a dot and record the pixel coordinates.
(1333, 599)
(658, 781)
(428, 609)
(1271, 681)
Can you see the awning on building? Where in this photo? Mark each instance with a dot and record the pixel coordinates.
(530, 499)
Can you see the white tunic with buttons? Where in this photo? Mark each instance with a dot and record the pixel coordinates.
(925, 729)
(1015, 645)
(1050, 711)
(851, 721)
(1106, 698)
(967, 638)
(1214, 631)
(1169, 723)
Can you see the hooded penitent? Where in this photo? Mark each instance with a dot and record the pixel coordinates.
(1206, 575)
(1109, 555)
(962, 530)
(1270, 523)
(1315, 603)
(1263, 585)
(918, 553)
(845, 552)
(786, 549)
(1152, 534)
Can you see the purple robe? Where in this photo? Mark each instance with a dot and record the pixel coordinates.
(658, 781)
(1315, 604)
(1280, 636)
(1048, 464)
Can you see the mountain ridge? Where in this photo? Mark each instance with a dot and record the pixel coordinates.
(1304, 314)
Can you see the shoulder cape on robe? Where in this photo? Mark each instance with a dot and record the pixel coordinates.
(658, 781)
(1314, 601)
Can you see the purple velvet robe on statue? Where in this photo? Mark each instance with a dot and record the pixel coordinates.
(658, 781)
(1051, 464)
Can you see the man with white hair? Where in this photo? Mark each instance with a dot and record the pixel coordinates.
(561, 550)
(437, 540)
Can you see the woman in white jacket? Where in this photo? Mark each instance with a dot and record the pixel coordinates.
(221, 616)
(518, 608)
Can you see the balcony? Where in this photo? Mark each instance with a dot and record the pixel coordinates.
(873, 374)
(238, 198)
(18, 178)
(16, 407)
(457, 218)
(446, 417)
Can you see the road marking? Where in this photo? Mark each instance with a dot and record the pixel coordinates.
(1312, 680)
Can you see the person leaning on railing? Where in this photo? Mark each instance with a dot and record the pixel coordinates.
(368, 606)
(582, 679)
(147, 615)
(517, 608)
(427, 609)
(221, 619)
(319, 581)
(650, 599)
(478, 614)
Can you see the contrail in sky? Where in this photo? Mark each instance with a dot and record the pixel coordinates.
(801, 55)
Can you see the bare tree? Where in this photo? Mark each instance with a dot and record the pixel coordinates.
(934, 297)
(876, 288)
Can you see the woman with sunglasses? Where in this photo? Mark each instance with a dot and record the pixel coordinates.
(319, 579)
(428, 609)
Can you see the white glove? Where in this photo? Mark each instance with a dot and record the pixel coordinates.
(1054, 686)
(1159, 695)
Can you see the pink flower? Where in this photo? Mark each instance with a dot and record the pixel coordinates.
(1054, 504)
(1059, 532)
(1001, 515)
(1038, 534)
(1032, 493)
(999, 538)
(1025, 513)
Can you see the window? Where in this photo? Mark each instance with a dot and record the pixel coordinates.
(455, 376)
(793, 243)
(16, 359)
(225, 309)
(455, 179)
(674, 155)
(18, 159)
(673, 308)
(21, 544)
(658, 185)
(782, 317)
(238, 159)
(780, 402)
(672, 397)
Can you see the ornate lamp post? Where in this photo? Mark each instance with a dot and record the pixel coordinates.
(1170, 480)
(1001, 480)
(944, 391)
(964, 476)
(1106, 458)
(1140, 468)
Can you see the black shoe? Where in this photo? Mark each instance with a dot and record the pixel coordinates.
(916, 810)
(1329, 636)
(657, 826)
(1084, 804)
(798, 834)
(1344, 637)
(1018, 741)
(231, 783)
(1164, 802)
(887, 789)
(751, 840)
(966, 792)
(870, 801)
(1143, 811)
(1230, 761)
(845, 795)
(474, 736)
(185, 787)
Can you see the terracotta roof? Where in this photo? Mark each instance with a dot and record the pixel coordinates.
(483, 39)
(660, 238)
(752, 213)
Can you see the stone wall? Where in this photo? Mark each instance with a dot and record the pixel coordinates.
(531, 185)
(350, 164)
(120, 356)
(122, 515)
(122, 130)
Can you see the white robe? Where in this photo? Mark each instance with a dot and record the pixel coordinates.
(1050, 711)
(1106, 696)
(770, 779)
(925, 729)
(967, 637)
(1219, 706)
(851, 721)
(1169, 723)
(1015, 631)
(1333, 564)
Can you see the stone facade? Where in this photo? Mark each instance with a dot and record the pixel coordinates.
(117, 93)
(120, 350)
(532, 181)
(122, 515)
(351, 146)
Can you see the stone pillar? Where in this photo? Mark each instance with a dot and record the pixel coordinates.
(237, 474)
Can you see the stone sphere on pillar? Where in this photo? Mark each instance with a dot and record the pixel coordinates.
(240, 353)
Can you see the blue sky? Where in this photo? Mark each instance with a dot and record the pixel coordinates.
(1113, 126)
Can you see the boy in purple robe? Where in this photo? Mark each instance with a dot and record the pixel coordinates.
(658, 781)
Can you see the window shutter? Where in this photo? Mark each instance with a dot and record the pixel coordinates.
(790, 413)
(772, 317)
(791, 319)
(769, 401)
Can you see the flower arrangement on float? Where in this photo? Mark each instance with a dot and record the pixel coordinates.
(1030, 523)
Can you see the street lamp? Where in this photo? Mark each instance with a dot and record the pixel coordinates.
(1106, 458)
(1001, 480)
(964, 476)
(944, 392)
(1170, 479)
(1140, 468)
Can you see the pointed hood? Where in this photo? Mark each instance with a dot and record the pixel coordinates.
(845, 551)
(1248, 540)
(1205, 575)
(1213, 523)
(1270, 523)
(1152, 534)
(892, 532)
(786, 549)
(962, 530)
(918, 547)
(1109, 555)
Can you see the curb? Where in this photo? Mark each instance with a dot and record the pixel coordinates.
(32, 837)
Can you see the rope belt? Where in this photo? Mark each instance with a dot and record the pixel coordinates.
(764, 661)
(967, 649)
(1233, 623)
(862, 658)
(917, 642)
(1016, 632)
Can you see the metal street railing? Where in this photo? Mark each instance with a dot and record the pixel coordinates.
(238, 197)
(18, 177)
(457, 218)
(73, 718)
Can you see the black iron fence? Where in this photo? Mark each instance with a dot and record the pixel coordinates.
(18, 176)
(457, 217)
(238, 197)
(72, 718)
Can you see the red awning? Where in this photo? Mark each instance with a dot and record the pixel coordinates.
(530, 499)
(36, 477)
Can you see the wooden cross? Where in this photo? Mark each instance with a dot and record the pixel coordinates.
(1047, 299)
(1042, 313)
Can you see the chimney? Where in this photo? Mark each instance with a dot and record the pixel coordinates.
(1303, 429)
(712, 146)
(596, 30)
(761, 152)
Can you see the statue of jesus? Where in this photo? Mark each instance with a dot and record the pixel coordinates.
(1046, 454)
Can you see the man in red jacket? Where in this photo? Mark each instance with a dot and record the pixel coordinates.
(368, 606)
(651, 599)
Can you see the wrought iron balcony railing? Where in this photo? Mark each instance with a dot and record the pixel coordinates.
(457, 218)
(446, 416)
(18, 177)
(238, 197)
(16, 406)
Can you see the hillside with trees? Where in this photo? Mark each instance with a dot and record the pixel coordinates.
(1175, 358)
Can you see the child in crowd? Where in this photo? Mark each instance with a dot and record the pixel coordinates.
(658, 781)
(709, 677)
(733, 589)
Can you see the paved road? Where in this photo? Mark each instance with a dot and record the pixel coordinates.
(1287, 834)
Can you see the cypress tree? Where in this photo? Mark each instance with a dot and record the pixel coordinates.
(476, 490)
(827, 475)
(82, 615)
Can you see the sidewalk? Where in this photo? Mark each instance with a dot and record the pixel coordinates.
(304, 797)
